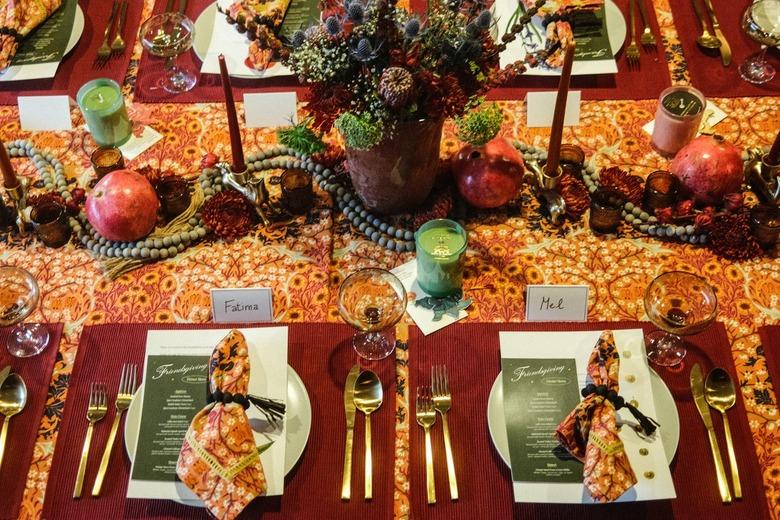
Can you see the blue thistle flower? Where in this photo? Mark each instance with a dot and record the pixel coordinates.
(298, 38)
(412, 28)
(364, 51)
(356, 12)
(332, 25)
(484, 19)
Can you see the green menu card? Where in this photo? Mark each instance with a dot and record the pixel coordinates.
(47, 42)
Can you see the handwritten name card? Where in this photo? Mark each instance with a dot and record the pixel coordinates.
(556, 303)
(248, 305)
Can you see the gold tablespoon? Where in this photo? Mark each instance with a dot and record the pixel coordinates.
(368, 397)
(13, 398)
(720, 394)
(705, 39)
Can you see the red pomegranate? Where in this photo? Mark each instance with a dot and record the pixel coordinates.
(123, 206)
(489, 176)
(708, 168)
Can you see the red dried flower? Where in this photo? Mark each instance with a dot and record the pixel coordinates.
(576, 196)
(733, 201)
(664, 215)
(629, 185)
(209, 160)
(48, 197)
(229, 215)
(329, 158)
(326, 103)
(684, 208)
(731, 238)
(703, 220)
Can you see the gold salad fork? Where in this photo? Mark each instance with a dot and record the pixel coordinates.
(632, 52)
(442, 402)
(98, 406)
(426, 417)
(647, 38)
(124, 396)
(118, 45)
(104, 51)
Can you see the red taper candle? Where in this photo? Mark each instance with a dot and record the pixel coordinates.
(9, 176)
(235, 133)
(773, 157)
(556, 134)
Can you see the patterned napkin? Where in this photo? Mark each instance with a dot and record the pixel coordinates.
(590, 431)
(17, 19)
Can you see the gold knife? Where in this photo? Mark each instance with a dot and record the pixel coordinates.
(349, 409)
(697, 389)
(4, 373)
(725, 50)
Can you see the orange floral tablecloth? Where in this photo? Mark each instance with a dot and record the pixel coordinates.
(305, 261)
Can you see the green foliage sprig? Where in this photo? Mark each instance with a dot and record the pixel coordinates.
(480, 125)
(300, 137)
(360, 132)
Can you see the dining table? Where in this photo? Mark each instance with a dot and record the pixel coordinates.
(305, 260)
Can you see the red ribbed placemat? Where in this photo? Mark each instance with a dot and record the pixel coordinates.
(471, 354)
(78, 67)
(320, 353)
(770, 340)
(23, 428)
(707, 72)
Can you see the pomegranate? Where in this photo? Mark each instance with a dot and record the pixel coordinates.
(489, 176)
(123, 206)
(708, 168)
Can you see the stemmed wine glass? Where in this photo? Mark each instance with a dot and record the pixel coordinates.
(168, 35)
(761, 22)
(18, 298)
(372, 301)
(680, 304)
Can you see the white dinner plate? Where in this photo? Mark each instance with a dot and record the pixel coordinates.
(297, 423)
(668, 417)
(78, 28)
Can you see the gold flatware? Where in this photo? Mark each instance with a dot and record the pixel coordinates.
(705, 39)
(725, 49)
(632, 52)
(13, 398)
(442, 402)
(4, 373)
(124, 396)
(721, 395)
(104, 51)
(368, 398)
(98, 406)
(349, 409)
(697, 389)
(426, 417)
(647, 38)
(118, 45)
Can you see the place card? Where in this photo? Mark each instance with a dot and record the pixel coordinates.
(244, 305)
(139, 143)
(44, 113)
(541, 107)
(713, 115)
(270, 109)
(556, 303)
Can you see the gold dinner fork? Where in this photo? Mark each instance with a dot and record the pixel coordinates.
(426, 417)
(127, 384)
(442, 402)
(647, 38)
(632, 52)
(98, 406)
(118, 45)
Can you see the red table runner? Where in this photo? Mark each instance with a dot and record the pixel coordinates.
(36, 372)
(707, 72)
(770, 341)
(471, 354)
(320, 353)
(78, 67)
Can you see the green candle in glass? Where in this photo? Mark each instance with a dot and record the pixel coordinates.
(103, 106)
(440, 246)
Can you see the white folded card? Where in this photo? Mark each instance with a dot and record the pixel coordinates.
(244, 305)
(270, 109)
(541, 107)
(42, 113)
(556, 303)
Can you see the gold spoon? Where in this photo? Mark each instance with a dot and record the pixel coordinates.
(13, 398)
(368, 397)
(705, 39)
(720, 394)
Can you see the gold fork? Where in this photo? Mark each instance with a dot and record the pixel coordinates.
(632, 52)
(124, 396)
(426, 417)
(104, 51)
(118, 45)
(647, 38)
(442, 402)
(98, 406)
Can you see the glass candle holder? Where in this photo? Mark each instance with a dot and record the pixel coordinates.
(104, 110)
(606, 207)
(572, 158)
(297, 191)
(174, 195)
(660, 190)
(765, 222)
(441, 244)
(7, 220)
(105, 160)
(51, 223)
(677, 119)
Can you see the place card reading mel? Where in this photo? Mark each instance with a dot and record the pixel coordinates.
(249, 305)
(556, 303)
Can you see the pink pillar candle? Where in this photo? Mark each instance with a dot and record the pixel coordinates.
(677, 119)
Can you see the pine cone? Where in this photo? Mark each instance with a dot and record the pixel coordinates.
(731, 238)
(629, 185)
(229, 215)
(576, 196)
(396, 86)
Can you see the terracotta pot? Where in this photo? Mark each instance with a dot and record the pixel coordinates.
(397, 175)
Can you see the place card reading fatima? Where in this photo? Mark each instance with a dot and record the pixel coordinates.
(247, 305)
(556, 303)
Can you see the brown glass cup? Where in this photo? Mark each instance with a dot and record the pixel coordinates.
(106, 160)
(660, 190)
(606, 207)
(297, 191)
(51, 223)
(765, 222)
(174, 195)
(572, 159)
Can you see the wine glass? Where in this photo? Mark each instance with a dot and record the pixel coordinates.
(761, 22)
(18, 298)
(680, 304)
(168, 35)
(372, 301)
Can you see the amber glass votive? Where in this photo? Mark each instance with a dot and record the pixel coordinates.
(106, 160)
(297, 191)
(606, 207)
(174, 195)
(572, 159)
(51, 223)
(660, 190)
(765, 222)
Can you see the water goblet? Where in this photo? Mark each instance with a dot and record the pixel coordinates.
(19, 296)
(372, 301)
(680, 304)
(761, 21)
(169, 35)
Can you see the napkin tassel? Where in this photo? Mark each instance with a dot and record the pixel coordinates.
(271, 408)
(648, 424)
